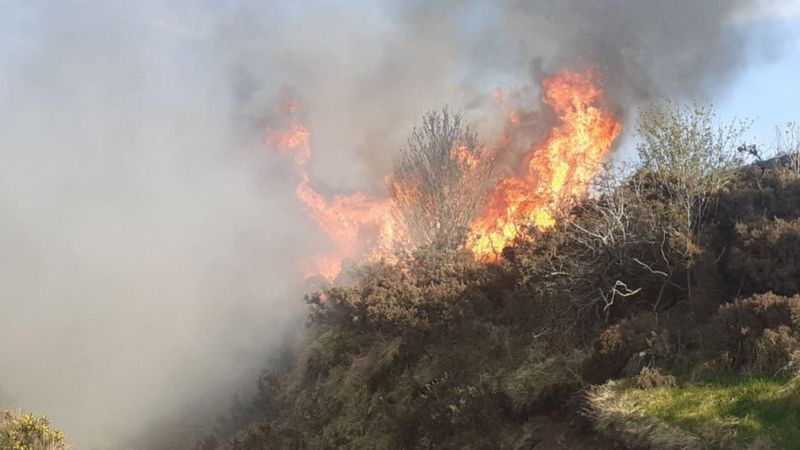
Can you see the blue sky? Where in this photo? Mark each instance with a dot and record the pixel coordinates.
(768, 92)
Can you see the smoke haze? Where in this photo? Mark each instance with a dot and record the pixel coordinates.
(150, 242)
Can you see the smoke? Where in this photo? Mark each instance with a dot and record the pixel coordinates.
(148, 245)
(644, 48)
(366, 72)
(150, 242)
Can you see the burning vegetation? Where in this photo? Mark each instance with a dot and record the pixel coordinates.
(602, 319)
(558, 170)
(444, 191)
(507, 289)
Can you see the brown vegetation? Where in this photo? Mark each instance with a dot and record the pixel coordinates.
(642, 281)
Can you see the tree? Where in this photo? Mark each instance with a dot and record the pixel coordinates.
(690, 156)
(788, 145)
(441, 180)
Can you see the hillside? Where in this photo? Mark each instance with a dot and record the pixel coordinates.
(662, 312)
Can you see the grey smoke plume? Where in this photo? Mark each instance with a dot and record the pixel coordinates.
(148, 250)
(367, 71)
(150, 241)
(643, 48)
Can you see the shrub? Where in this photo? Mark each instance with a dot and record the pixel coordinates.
(760, 333)
(650, 378)
(617, 347)
(29, 432)
(620, 253)
(753, 196)
(429, 289)
(766, 257)
(643, 341)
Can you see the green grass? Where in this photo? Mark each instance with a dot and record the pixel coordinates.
(745, 408)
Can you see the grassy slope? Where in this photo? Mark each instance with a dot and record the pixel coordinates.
(740, 412)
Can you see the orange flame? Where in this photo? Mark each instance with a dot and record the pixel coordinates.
(558, 170)
(359, 227)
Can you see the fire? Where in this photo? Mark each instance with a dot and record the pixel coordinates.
(358, 227)
(558, 170)
(296, 139)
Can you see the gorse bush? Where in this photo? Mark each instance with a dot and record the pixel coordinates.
(429, 289)
(765, 256)
(760, 333)
(29, 432)
(389, 361)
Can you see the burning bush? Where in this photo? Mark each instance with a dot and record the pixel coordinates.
(557, 171)
(440, 184)
(441, 181)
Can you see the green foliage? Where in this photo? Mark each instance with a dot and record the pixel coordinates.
(684, 146)
(29, 432)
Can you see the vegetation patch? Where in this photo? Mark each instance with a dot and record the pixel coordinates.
(749, 412)
(29, 432)
(677, 269)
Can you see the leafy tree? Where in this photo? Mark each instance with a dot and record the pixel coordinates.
(689, 155)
